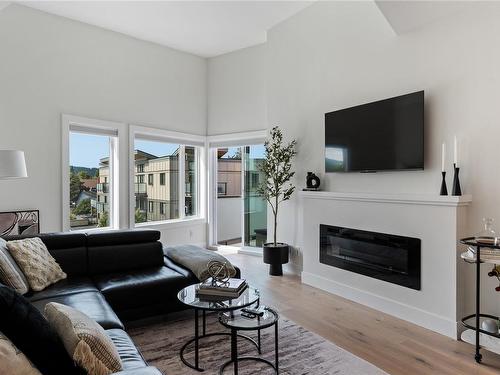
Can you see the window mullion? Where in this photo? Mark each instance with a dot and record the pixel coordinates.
(182, 185)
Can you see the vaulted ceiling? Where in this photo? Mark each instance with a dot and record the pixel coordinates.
(211, 28)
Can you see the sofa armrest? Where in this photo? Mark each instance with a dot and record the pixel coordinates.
(150, 370)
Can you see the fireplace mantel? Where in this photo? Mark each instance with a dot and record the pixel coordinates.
(438, 221)
(427, 199)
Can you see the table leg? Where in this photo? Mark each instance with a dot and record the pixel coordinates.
(204, 322)
(258, 340)
(276, 345)
(234, 350)
(196, 328)
(478, 355)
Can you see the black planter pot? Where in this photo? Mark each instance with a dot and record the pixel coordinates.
(275, 256)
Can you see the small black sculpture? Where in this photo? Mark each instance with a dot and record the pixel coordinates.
(312, 181)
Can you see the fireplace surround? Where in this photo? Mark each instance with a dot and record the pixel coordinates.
(388, 257)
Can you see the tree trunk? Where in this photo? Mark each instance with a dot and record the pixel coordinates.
(275, 221)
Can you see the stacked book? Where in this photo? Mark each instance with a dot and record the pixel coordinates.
(231, 288)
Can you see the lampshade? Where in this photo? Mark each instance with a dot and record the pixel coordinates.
(12, 164)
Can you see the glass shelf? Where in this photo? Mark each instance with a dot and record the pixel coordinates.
(471, 241)
(471, 325)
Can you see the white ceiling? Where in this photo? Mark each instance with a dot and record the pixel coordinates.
(405, 16)
(204, 28)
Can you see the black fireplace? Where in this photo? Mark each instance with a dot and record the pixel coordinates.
(387, 257)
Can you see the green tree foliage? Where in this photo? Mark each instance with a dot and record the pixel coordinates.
(83, 208)
(277, 171)
(83, 175)
(75, 186)
(140, 217)
(103, 220)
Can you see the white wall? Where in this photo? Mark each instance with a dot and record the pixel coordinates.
(333, 55)
(51, 65)
(237, 91)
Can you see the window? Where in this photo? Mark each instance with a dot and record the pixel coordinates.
(140, 168)
(172, 179)
(140, 179)
(91, 160)
(221, 188)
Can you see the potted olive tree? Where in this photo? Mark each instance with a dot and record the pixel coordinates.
(276, 188)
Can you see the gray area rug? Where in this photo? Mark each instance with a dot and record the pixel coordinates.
(301, 351)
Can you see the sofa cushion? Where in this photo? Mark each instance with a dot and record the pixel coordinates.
(67, 286)
(13, 361)
(30, 332)
(129, 355)
(145, 287)
(10, 274)
(85, 340)
(33, 258)
(69, 249)
(91, 304)
(124, 257)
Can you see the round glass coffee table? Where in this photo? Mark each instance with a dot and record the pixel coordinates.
(237, 322)
(190, 297)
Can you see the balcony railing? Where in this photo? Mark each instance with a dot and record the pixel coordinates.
(103, 187)
(102, 207)
(140, 188)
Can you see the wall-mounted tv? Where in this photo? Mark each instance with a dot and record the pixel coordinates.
(386, 135)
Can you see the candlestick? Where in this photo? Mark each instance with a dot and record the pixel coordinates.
(443, 156)
(444, 189)
(456, 190)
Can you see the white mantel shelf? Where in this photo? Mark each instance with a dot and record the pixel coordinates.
(419, 199)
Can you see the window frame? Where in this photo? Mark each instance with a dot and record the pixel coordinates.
(116, 132)
(182, 139)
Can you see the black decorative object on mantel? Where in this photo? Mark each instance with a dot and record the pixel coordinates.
(456, 190)
(444, 189)
(312, 182)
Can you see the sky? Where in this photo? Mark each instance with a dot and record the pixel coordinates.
(86, 149)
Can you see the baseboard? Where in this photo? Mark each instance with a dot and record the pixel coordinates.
(249, 251)
(400, 310)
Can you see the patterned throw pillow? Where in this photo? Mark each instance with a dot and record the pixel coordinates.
(85, 340)
(33, 258)
(13, 361)
(10, 274)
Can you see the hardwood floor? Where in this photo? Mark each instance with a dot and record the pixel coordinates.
(392, 344)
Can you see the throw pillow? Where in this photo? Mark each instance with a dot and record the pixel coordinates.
(13, 361)
(31, 333)
(10, 274)
(39, 267)
(84, 339)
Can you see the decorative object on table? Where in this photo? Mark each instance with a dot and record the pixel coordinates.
(276, 188)
(219, 271)
(487, 236)
(231, 288)
(444, 189)
(19, 222)
(490, 325)
(312, 182)
(456, 189)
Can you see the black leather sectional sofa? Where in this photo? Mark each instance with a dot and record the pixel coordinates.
(115, 276)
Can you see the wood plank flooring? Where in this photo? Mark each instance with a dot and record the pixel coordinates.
(392, 344)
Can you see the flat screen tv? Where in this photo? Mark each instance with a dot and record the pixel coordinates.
(386, 135)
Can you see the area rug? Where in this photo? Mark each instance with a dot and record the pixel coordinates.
(300, 351)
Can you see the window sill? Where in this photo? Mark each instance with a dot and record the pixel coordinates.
(176, 223)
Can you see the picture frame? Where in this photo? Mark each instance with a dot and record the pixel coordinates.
(19, 222)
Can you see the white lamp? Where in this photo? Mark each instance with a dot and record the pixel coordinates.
(12, 164)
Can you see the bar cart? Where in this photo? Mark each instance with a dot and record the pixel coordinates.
(476, 318)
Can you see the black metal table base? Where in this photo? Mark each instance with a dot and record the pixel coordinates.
(197, 337)
(234, 353)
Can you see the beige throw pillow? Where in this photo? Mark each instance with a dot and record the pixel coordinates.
(85, 340)
(13, 361)
(39, 267)
(10, 274)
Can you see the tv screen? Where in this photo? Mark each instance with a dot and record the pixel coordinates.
(380, 136)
